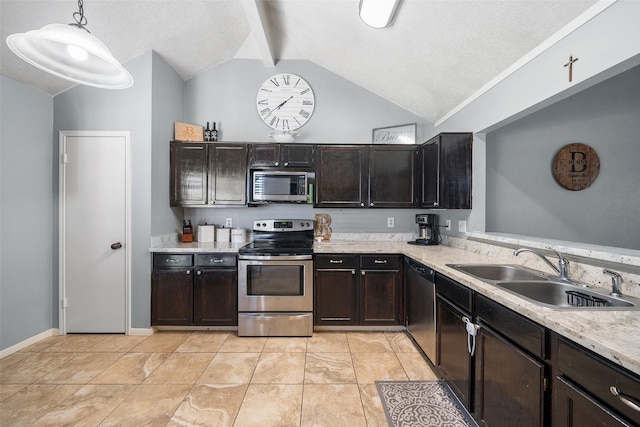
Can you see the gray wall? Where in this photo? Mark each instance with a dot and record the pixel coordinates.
(26, 241)
(167, 108)
(522, 196)
(344, 112)
(86, 108)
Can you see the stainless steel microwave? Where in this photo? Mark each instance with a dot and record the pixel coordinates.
(279, 186)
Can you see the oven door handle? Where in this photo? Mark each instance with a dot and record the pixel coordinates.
(275, 257)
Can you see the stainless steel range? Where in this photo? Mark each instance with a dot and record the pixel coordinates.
(275, 279)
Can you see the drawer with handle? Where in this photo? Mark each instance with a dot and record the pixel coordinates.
(337, 261)
(216, 260)
(380, 262)
(172, 260)
(608, 383)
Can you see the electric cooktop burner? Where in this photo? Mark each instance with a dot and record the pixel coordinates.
(278, 248)
(281, 237)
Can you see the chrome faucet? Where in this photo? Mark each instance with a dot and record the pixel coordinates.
(563, 264)
(616, 281)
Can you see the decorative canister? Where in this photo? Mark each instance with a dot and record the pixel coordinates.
(223, 234)
(206, 233)
(238, 235)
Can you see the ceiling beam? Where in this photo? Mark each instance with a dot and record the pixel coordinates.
(259, 24)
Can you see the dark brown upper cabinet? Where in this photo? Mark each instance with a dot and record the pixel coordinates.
(285, 156)
(206, 174)
(369, 176)
(445, 171)
(392, 170)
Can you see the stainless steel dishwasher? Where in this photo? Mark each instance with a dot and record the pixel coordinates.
(421, 306)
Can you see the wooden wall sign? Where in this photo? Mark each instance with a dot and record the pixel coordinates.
(576, 166)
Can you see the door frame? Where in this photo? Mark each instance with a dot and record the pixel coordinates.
(62, 295)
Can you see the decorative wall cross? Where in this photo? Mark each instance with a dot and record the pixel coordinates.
(570, 65)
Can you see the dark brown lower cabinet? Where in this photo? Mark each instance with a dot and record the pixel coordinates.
(188, 292)
(509, 384)
(215, 299)
(590, 391)
(335, 295)
(172, 296)
(574, 408)
(380, 297)
(355, 289)
(453, 357)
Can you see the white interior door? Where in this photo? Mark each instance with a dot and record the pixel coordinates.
(94, 232)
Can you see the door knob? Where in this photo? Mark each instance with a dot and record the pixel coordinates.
(116, 246)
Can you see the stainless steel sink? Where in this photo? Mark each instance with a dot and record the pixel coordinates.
(545, 290)
(499, 272)
(561, 295)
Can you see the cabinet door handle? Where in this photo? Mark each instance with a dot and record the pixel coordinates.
(277, 163)
(363, 273)
(626, 399)
(171, 261)
(371, 204)
(188, 272)
(362, 204)
(216, 260)
(379, 261)
(286, 163)
(199, 272)
(335, 261)
(353, 272)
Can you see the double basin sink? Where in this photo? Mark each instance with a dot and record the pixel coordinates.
(545, 290)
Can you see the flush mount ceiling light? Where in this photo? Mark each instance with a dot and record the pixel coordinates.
(71, 52)
(378, 13)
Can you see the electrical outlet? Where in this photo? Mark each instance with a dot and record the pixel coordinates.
(391, 222)
(462, 226)
(447, 225)
(228, 222)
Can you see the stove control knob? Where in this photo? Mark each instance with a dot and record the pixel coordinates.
(264, 224)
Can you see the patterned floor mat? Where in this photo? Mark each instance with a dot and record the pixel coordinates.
(423, 404)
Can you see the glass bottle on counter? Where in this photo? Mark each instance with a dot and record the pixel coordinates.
(187, 232)
(207, 132)
(214, 133)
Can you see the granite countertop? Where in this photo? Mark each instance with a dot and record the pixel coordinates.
(612, 334)
(198, 247)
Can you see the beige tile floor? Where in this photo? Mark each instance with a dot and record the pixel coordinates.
(205, 379)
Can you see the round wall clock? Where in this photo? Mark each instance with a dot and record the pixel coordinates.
(576, 166)
(285, 102)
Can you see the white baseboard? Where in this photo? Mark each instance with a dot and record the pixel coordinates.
(26, 343)
(141, 331)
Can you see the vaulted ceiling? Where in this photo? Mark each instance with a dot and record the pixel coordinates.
(435, 54)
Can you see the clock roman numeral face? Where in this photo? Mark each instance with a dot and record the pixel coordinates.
(285, 102)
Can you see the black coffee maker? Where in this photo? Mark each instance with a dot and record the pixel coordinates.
(428, 233)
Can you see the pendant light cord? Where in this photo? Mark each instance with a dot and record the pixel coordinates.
(79, 17)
